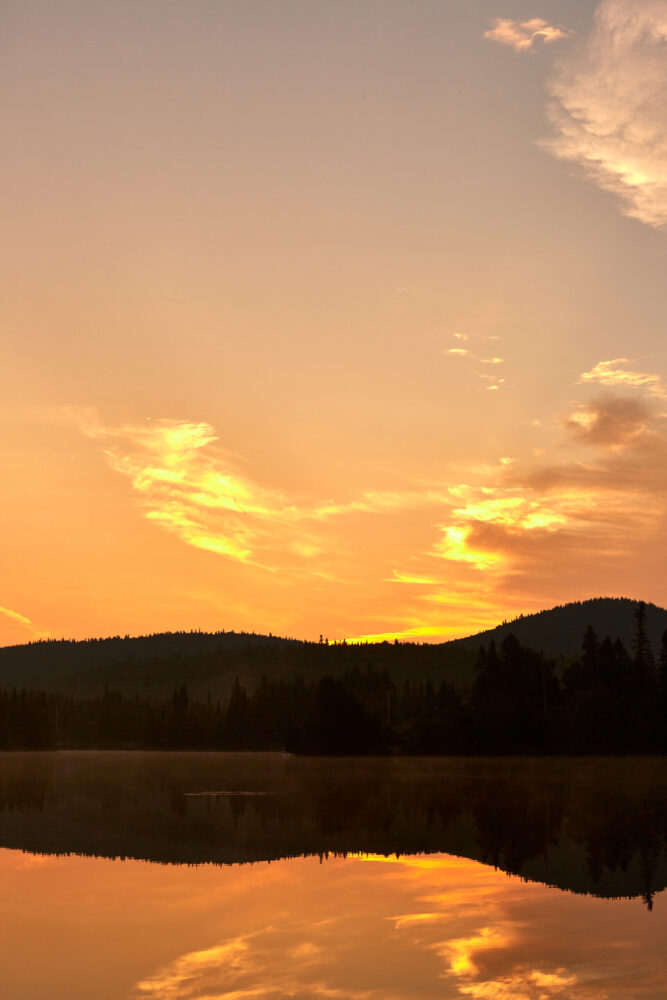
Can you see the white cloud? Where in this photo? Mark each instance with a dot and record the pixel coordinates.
(525, 35)
(609, 106)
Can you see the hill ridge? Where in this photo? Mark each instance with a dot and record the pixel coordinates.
(558, 630)
(208, 662)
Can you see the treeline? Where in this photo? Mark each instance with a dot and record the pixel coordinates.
(68, 665)
(608, 701)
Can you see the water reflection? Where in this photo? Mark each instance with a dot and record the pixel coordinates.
(356, 929)
(442, 927)
(591, 826)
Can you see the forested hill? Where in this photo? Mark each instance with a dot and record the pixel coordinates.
(558, 631)
(37, 664)
(153, 666)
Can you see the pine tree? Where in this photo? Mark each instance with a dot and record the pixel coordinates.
(642, 647)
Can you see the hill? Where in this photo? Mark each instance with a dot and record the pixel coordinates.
(153, 666)
(558, 631)
(55, 664)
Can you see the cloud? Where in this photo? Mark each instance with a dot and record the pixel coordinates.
(483, 531)
(613, 421)
(16, 617)
(412, 578)
(618, 374)
(190, 491)
(468, 959)
(609, 106)
(525, 35)
(189, 486)
(24, 622)
(491, 383)
(267, 964)
(460, 952)
(190, 974)
(537, 516)
(576, 522)
(414, 633)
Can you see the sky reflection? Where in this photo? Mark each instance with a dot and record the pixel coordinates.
(355, 928)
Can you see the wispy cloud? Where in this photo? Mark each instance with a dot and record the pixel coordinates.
(415, 633)
(522, 36)
(16, 617)
(188, 485)
(493, 382)
(608, 106)
(24, 622)
(267, 964)
(618, 373)
(398, 576)
(475, 357)
(189, 975)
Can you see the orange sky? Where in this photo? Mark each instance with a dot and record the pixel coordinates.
(330, 318)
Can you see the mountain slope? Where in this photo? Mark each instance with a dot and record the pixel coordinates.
(558, 631)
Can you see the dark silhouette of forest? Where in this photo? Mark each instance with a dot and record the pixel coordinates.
(610, 700)
(557, 631)
(153, 666)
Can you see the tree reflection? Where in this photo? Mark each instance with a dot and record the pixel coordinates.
(588, 825)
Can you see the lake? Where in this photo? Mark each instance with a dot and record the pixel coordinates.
(206, 876)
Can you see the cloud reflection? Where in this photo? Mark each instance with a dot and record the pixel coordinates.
(462, 930)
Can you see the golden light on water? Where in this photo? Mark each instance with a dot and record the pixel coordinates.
(367, 926)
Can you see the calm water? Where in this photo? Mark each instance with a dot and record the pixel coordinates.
(127, 876)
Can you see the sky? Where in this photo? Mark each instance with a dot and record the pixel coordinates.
(338, 317)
